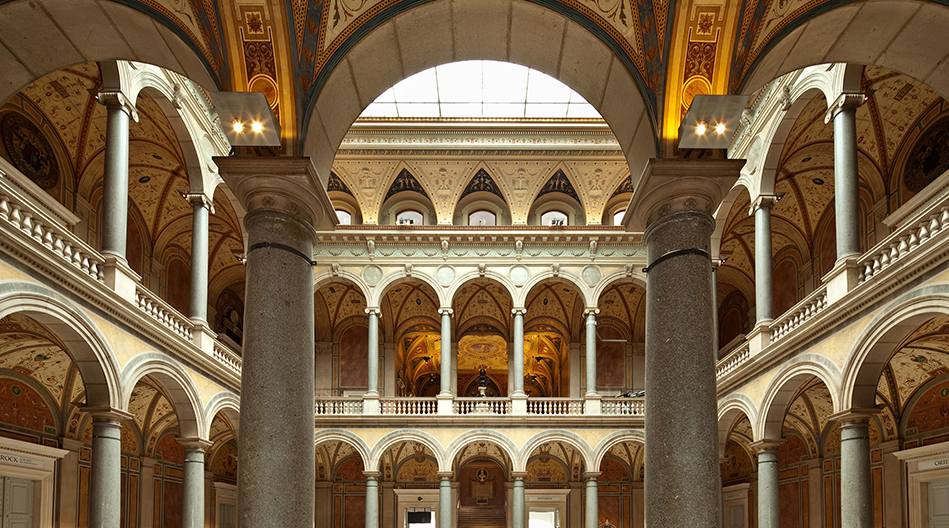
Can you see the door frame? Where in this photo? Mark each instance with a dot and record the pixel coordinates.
(37, 463)
(923, 465)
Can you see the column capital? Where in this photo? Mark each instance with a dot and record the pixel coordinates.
(194, 443)
(199, 199)
(107, 414)
(767, 444)
(372, 475)
(446, 311)
(763, 201)
(845, 101)
(288, 185)
(373, 311)
(591, 311)
(117, 99)
(518, 475)
(854, 416)
(519, 311)
(672, 185)
(591, 475)
(446, 475)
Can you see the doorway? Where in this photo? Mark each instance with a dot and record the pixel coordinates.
(939, 504)
(16, 502)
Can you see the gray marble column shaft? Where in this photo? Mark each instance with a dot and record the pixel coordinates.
(192, 515)
(769, 506)
(519, 506)
(444, 502)
(199, 258)
(682, 474)
(591, 353)
(764, 285)
(105, 481)
(518, 352)
(372, 502)
(278, 457)
(115, 182)
(856, 482)
(373, 352)
(846, 181)
(592, 505)
(446, 352)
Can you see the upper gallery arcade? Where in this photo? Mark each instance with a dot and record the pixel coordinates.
(477, 278)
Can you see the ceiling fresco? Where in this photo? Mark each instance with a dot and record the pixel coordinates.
(335, 303)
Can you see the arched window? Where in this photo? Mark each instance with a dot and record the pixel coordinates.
(409, 217)
(554, 218)
(618, 217)
(482, 217)
(344, 217)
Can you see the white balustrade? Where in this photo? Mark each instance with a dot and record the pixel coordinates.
(623, 406)
(803, 311)
(733, 360)
(409, 406)
(902, 242)
(555, 406)
(482, 406)
(227, 357)
(161, 311)
(326, 406)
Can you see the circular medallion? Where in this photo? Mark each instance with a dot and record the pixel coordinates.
(445, 275)
(372, 274)
(929, 157)
(591, 274)
(30, 151)
(519, 275)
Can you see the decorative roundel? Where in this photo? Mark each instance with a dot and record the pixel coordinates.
(519, 275)
(445, 274)
(592, 275)
(30, 151)
(372, 274)
(929, 157)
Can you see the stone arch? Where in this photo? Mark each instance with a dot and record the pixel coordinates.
(78, 31)
(414, 40)
(387, 441)
(177, 384)
(378, 292)
(488, 274)
(782, 388)
(728, 409)
(327, 276)
(474, 435)
(555, 435)
(852, 33)
(617, 437)
(567, 276)
(872, 350)
(226, 403)
(81, 338)
(342, 435)
(721, 214)
(637, 277)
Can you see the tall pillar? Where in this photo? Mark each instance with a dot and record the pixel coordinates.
(846, 176)
(192, 515)
(446, 351)
(591, 351)
(444, 500)
(856, 481)
(592, 501)
(115, 182)
(285, 202)
(769, 506)
(674, 203)
(518, 374)
(201, 206)
(105, 480)
(372, 498)
(764, 285)
(518, 504)
(373, 352)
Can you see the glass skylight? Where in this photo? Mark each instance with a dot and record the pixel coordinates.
(480, 89)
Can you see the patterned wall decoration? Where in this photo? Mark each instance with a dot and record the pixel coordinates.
(703, 29)
(418, 469)
(626, 186)
(338, 185)
(257, 43)
(482, 182)
(559, 182)
(594, 180)
(929, 157)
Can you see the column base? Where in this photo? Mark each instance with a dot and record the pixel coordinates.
(445, 400)
(842, 279)
(592, 404)
(121, 278)
(519, 404)
(759, 337)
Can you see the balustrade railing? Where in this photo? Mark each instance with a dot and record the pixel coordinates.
(227, 357)
(161, 311)
(812, 305)
(620, 406)
(326, 406)
(733, 359)
(555, 406)
(409, 406)
(903, 241)
(482, 405)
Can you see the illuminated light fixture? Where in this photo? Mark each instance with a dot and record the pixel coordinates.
(247, 111)
(722, 110)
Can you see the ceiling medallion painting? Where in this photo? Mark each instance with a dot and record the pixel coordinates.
(929, 157)
(30, 151)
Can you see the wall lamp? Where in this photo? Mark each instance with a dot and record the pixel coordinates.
(247, 119)
(711, 121)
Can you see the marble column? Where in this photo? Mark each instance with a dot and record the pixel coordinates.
(105, 479)
(373, 353)
(674, 204)
(201, 206)
(764, 285)
(115, 181)
(446, 351)
(192, 515)
(856, 480)
(769, 506)
(518, 358)
(372, 498)
(592, 501)
(444, 500)
(591, 351)
(285, 203)
(519, 503)
(846, 175)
